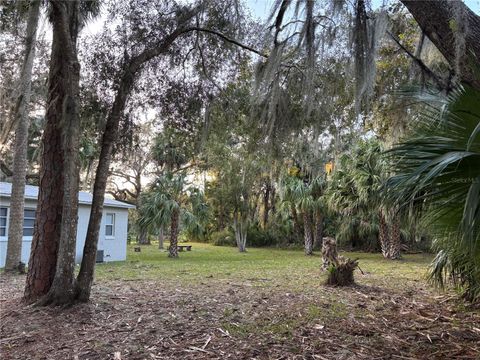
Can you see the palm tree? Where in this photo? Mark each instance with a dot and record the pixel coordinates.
(168, 202)
(356, 192)
(303, 195)
(439, 167)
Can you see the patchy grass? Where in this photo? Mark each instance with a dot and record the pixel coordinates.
(217, 303)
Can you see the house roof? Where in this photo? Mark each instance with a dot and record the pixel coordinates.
(31, 192)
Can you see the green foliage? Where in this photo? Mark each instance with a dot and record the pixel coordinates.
(439, 166)
(258, 237)
(167, 194)
(223, 238)
(354, 195)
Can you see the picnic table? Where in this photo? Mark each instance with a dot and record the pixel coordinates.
(184, 247)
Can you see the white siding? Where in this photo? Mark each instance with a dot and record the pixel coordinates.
(115, 248)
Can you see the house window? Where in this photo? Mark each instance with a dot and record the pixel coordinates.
(110, 225)
(3, 221)
(28, 222)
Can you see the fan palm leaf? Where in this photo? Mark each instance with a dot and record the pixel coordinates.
(440, 167)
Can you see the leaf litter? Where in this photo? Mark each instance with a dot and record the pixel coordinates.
(253, 320)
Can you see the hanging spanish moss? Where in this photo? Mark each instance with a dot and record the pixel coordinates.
(367, 33)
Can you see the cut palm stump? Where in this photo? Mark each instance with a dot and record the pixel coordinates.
(341, 273)
(340, 269)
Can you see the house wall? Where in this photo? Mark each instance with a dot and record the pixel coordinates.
(115, 247)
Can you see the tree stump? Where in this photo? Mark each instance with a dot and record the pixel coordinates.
(341, 274)
(329, 252)
(340, 269)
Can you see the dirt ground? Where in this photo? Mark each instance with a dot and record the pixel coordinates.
(249, 320)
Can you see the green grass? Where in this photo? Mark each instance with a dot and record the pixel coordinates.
(258, 267)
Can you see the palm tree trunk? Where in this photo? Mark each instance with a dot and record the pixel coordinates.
(383, 234)
(318, 233)
(160, 238)
(143, 238)
(173, 250)
(395, 240)
(307, 223)
(17, 200)
(297, 229)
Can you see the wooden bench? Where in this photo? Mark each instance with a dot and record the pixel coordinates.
(186, 247)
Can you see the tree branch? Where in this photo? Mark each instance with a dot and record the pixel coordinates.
(425, 69)
(227, 39)
(8, 172)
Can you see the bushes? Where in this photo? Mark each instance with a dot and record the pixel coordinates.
(223, 238)
(256, 237)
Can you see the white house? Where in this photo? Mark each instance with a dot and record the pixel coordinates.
(112, 243)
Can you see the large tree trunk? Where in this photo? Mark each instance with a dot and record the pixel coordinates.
(455, 30)
(110, 135)
(48, 225)
(173, 249)
(65, 17)
(17, 200)
(307, 233)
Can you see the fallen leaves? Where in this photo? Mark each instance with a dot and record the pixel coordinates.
(160, 320)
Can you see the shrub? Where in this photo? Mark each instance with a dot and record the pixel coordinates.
(257, 237)
(223, 238)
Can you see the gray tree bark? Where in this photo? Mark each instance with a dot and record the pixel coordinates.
(17, 200)
(240, 227)
(454, 29)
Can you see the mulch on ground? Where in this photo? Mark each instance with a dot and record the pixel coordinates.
(249, 320)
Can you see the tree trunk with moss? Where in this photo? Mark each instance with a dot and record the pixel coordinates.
(454, 29)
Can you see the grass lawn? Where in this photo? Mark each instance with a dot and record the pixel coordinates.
(217, 303)
(266, 266)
